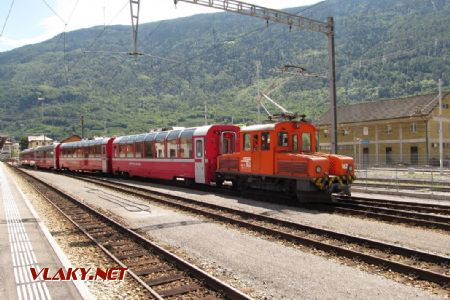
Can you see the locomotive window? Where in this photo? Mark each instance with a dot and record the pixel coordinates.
(283, 139)
(138, 150)
(247, 142)
(306, 142)
(255, 142)
(294, 143)
(199, 148)
(148, 147)
(265, 141)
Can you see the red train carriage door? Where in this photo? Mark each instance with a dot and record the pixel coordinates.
(199, 160)
(104, 160)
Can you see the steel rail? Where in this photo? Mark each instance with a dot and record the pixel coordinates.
(404, 205)
(248, 220)
(210, 281)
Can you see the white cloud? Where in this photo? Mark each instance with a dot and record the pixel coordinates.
(90, 13)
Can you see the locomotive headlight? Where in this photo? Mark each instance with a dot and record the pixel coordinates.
(350, 168)
(318, 169)
(345, 166)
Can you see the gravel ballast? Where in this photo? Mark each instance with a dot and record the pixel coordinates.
(264, 268)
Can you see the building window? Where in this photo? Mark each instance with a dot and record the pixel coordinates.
(388, 129)
(345, 132)
(413, 127)
(365, 130)
(325, 132)
(445, 105)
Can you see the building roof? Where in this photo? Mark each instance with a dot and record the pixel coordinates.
(38, 138)
(384, 109)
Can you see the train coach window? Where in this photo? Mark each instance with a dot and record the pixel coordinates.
(186, 143)
(247, 146)
(199, 148)
(130, 150)
(172, 143)
(159, 144)
(283, 139)
(122, 150)
(306, 142)
(98, 151)
(294, 143)
(148, 148)
(265, 141)
(138, 147)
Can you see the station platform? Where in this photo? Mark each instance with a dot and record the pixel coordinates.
(26, 243)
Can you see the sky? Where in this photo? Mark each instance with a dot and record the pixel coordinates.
(34, 21)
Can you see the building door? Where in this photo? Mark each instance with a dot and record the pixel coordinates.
(104, 161)
(414, 155)
(389, 155)
(199, 160)
(365, 157)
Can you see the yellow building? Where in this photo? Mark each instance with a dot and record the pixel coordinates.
(386, 132)
(39, 140)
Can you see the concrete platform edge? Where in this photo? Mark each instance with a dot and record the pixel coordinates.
(80, 286)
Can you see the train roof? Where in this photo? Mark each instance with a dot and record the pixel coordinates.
(84, 143)
(161, 135)
(259, 127)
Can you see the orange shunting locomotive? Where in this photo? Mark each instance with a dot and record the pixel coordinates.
(282, 157)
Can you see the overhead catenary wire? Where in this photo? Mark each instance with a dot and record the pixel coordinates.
(7, 17)
(240, 36)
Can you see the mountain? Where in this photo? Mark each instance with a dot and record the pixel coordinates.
(384, 49)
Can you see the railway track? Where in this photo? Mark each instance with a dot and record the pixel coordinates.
(161, 273)
(412, 213)
(420, 265)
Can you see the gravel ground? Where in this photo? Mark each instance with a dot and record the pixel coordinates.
(80, 250)
(402, 235)
(250, 263)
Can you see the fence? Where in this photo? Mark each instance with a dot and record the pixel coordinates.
(419, 169)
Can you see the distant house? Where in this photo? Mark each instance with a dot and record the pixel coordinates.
(40, 140)
(404, 130)
(72, 138)
(6, 150)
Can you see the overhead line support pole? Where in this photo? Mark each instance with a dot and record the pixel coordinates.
(332, 84)
(134, 9)
(291, 20)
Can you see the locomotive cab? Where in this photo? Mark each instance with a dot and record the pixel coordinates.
(280, 157)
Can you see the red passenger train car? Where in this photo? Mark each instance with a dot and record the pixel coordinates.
(189, 154)
(27, 157)
(47, 157)
(87, 155)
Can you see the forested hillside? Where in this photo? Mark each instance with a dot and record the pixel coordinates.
(384, 49)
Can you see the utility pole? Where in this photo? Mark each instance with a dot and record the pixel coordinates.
(82, 127)
(258, 94)
(206, 115)
(292, 20)
(441, 148)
